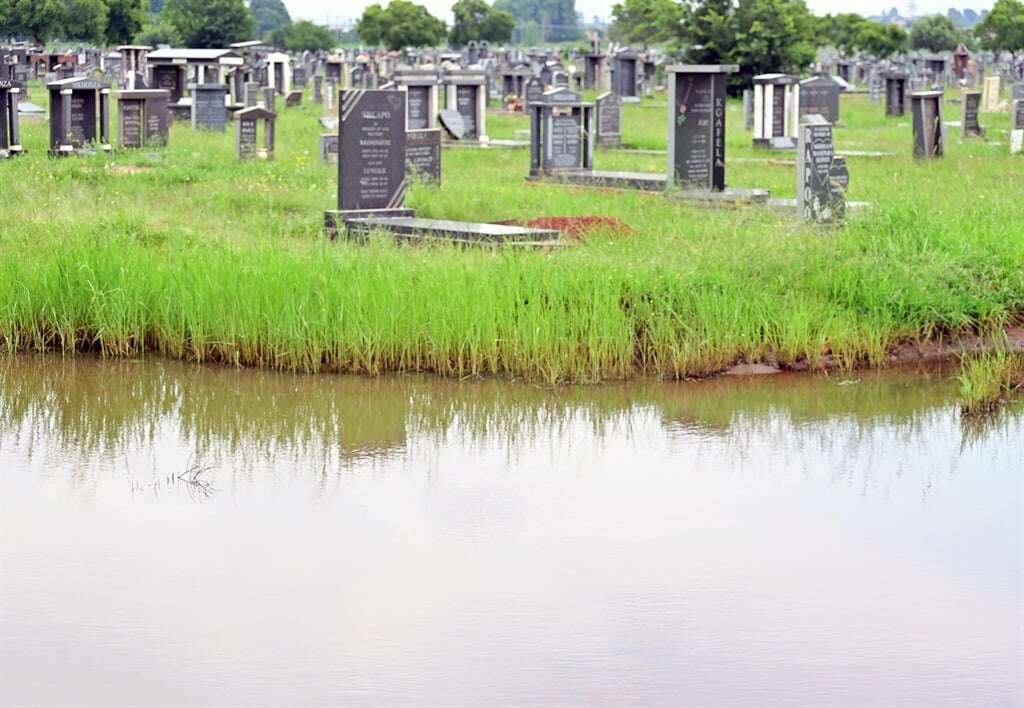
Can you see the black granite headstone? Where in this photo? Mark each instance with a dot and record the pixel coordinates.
(130, 122)
(820, 95)
(822, 179)
(371, 153)
(466, 105)
(534, 90)
(419, 107)
(697, 139)
(209, 111)
(929, 135)
(423, 154)
(247, 130)
(970, 125)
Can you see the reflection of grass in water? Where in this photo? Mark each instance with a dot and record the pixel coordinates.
(204, 258)
(987, 380)
(92, 405)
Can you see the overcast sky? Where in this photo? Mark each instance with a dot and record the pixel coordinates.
(337, 10)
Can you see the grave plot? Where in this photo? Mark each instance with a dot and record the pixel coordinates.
(10, 136)
(373, 174)
(562, 142)
(79, 116)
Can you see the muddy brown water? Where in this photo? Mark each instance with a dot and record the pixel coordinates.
(791, 541)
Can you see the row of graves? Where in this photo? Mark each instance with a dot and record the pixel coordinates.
(374, 166)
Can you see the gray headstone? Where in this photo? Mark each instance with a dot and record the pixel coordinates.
(329, 148)
(371, 151)
(929, 132)
(208, 109)
(453, 123)
(970, 125)
(609, 120)
(423, 154)
(822, 178)
(820, 95)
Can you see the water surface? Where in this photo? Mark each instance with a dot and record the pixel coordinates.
(413, 542)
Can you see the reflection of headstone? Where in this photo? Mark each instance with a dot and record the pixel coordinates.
(423, 154)
(929, 132)
(609, 120)
(970, 125)
(696, 139)
(453, 123)
(822, 178)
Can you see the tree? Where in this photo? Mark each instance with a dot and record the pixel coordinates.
(646, 21)
(124, 20)
(84, 20)
(157, 31)
(840, 31)
(1002, 29)
(476, 20)
(935, 33)
(269, 15)
(773, 36)
(402, 24)
(38, 19)
(555, 18)
(209, 23)
(306, 36)
(709, 32)
(882, 41)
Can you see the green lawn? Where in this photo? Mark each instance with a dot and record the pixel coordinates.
(187, 252)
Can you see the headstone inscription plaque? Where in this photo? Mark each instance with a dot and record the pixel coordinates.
(821, 178)
(696, 150)
(247, 127)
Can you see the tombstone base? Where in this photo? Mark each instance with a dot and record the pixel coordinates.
(789, 206)
(460, 233)
(728, 197)
(642, 181)
(69, 150)
(630, 99)
(775, 144)
(12, 151)
(336, 221)
(489, 145)
(181, 111)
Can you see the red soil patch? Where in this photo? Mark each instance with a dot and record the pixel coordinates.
(576, 228)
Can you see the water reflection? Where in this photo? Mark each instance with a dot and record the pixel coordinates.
(409, 541)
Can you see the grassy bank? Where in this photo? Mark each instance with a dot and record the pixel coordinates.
(188, 253)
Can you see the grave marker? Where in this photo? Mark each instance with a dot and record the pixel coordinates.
(696, 134)
(209, 111)
(423, 154)
(895, 94)
(248, 122)
(609, 120)
(329, 148)
(776, 111)
(10, 140)
(1017, 127)
(820, 95)
(822, 178)
(970, 125)
(929, 131)
(75, 107)
(143, 118)
(371, 151)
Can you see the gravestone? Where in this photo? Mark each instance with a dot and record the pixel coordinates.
(423, 95)
(329, 148)
(270, 98)
(776, 111)
(895, 94)
(252, 94)
(534, 90)
(293, 99)
(453, 123)
(819, 95)
(247, 127)
(929, 131)
(423, 155)
(371, 151)
(299, 77)
(466, 93)
(10, 139)
(560, 134)
(143, 118)
(1017, 127)
(991, 90)
(624, 68)
(75, 107)
(209, 111)
(748, 110)
(875, 86)
(318, 89)
(329, 93)
(970, 125)
(696, 137)
(821, 177)
(1018, 90)
(609, 120)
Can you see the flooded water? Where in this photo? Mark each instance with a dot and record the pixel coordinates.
(342, 541)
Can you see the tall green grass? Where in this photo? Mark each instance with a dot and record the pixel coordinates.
(190, 254)
(988, 380)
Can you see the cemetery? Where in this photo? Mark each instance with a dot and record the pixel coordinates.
(634, 166)
(671, 352)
